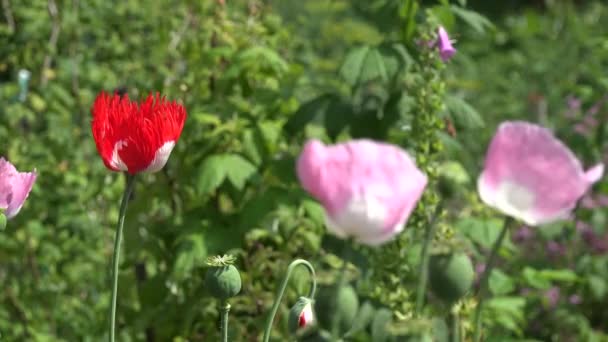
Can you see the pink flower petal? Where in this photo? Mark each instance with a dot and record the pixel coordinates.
(14, 187)
(530, 175)
(446, 49)
(368, 189)
(595, 173)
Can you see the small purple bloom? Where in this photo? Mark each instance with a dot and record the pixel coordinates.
(573, 102)
(552, 296)
(523, 234)
(590, 121)
(581, 129)
(446, 49)
(602, 200)
(555, 249)
(588, 202)
(575, 299)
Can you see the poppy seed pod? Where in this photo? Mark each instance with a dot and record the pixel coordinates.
(223, 279)
(301, 315)
(451, 276)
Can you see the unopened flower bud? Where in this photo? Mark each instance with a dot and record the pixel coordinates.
(301, 315)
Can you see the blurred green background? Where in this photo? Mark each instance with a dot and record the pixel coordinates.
(258, 78)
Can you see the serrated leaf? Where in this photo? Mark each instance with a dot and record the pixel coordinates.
(478, 22)
(211, 174)
(350, 70)
(463, 114)
(373, 67)
(191, 253)
(238, 169)
(500, 283)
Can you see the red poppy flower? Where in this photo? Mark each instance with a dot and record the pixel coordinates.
(136, 137)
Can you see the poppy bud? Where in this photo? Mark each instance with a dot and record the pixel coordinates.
(451, 276)
(301, 315)
(223, 279)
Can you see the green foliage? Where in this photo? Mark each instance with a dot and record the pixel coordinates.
(258, 78)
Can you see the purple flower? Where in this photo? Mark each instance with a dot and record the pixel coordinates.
(602, 200)
(523, 234)
(573, 102)
(446, 49)
(575, 299)
(552, 296)
(555, 249)
(588, 202)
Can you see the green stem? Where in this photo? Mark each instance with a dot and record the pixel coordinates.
(423, 269)
(281, 292)
(455, 322)
(483, 282)
(335, 326)
(116, 253)
(225, 310)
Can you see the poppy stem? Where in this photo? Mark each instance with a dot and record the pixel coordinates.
(225, 310)
(455, 325)
(116, 254)
(281, 292)
(423, 269)
(483, 281)
(335, 326)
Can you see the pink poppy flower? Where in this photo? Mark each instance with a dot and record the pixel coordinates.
(532, 176)
(14, 188)
(368, 189)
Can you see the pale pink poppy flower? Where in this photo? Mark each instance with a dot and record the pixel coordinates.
(530, 175)
(14, 188)
(368, 189)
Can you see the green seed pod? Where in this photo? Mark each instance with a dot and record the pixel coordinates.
(223, 279)
(347, 307)
(2, 221)
(451, 276)
(301, 315)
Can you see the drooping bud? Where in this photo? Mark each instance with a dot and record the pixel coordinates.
(451, 276)
(223, 279)
(301, 315)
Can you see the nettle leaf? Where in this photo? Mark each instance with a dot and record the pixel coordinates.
(217, 168)
(481, 231)
(350, 70)
(191, 253)
(211, 174)
(500, 283)
(533, 278)
(507, 311)
(477, 21)
(365, 64)
(463, 114)
(238, 169)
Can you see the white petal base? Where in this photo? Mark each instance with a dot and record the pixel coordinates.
(161, 157)
(362, 218)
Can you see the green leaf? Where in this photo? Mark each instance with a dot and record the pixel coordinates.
(191, 253)
(373, 67)
(463, 114)
(350, 70)
(500, 283)
(507, 312)
(534, 279)
(478, 22)
(564, 275)
(237, 169)
(481, 231)
(211, 174)
(598, 287)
